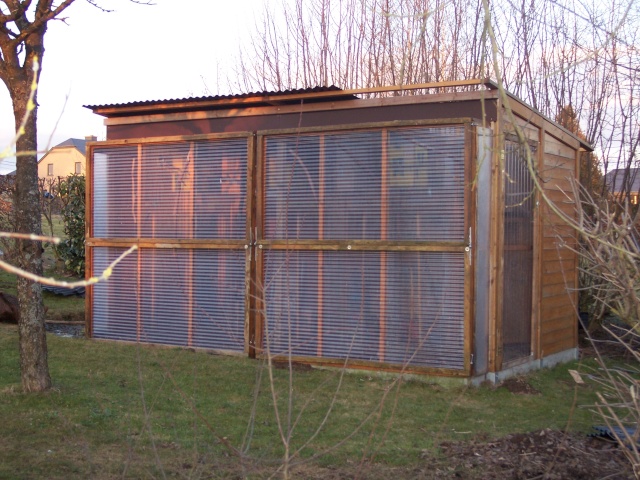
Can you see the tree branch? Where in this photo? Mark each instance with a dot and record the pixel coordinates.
(44, 13)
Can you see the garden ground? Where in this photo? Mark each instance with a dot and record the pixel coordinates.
(127, 411)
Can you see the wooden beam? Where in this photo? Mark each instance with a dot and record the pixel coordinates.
(136, 202)
(88, 232)
(364, 245)
(248, 111)
(320, 297)
(384, 210)
(249, 268)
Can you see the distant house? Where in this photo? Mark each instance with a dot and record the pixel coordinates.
(66, 158)
(620, 183)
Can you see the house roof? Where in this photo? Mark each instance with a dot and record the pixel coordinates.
(252, 99)
(77, 143)
(617, 180)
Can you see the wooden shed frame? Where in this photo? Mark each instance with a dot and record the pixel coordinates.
(170, 290)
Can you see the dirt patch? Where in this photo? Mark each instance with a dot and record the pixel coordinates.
(75, 330)
(519, 386)
(547, 454)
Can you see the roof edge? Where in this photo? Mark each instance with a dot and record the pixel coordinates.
(269, 98)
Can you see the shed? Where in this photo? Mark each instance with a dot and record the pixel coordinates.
(621, 181)
(357, 228)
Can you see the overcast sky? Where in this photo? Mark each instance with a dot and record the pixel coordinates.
(173, 49)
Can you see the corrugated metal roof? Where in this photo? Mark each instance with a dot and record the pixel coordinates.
(265, 98)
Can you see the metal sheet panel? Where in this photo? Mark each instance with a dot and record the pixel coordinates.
(482, 248)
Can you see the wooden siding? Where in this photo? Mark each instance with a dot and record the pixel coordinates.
(558, 289)
(281, 118)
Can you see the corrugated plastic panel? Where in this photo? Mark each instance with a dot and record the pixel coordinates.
(425, 309)
(114, 308)
(426, 184)
(180, 190)
(408, 185)
(172, 297)
(114, 188)
(404, 308)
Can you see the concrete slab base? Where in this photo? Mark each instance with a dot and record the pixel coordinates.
(526, 367)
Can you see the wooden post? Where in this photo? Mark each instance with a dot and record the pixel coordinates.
(88, 233)
(189, 187)
(321, 186)
(137, 183)
(250, 292)
(384, 206)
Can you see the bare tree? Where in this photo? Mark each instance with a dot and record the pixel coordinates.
(23, 25)
(554, 54)
(22, 31)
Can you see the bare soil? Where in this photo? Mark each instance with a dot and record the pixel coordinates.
(547, 454)
(66, 329)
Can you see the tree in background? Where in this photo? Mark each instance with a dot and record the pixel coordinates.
(71, 250)
(550, 53)
(591, 177)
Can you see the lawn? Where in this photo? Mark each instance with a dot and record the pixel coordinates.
(149, 412)
(131, 411)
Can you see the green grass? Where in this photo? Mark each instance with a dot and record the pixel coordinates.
(137, 411)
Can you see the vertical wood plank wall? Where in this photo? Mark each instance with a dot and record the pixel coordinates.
(559, 263)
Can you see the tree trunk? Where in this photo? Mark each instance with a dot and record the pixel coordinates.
(34, 365)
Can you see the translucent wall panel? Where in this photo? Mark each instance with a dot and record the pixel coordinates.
(174, 190)
(351, 187)
(172, 297)
(218, 295)
(220, 189)
(292, 192)
(115, 303)
(404, 184)
(114, 191)
(402, 308)
(426, 184)
(323, 186)
(425, 309)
